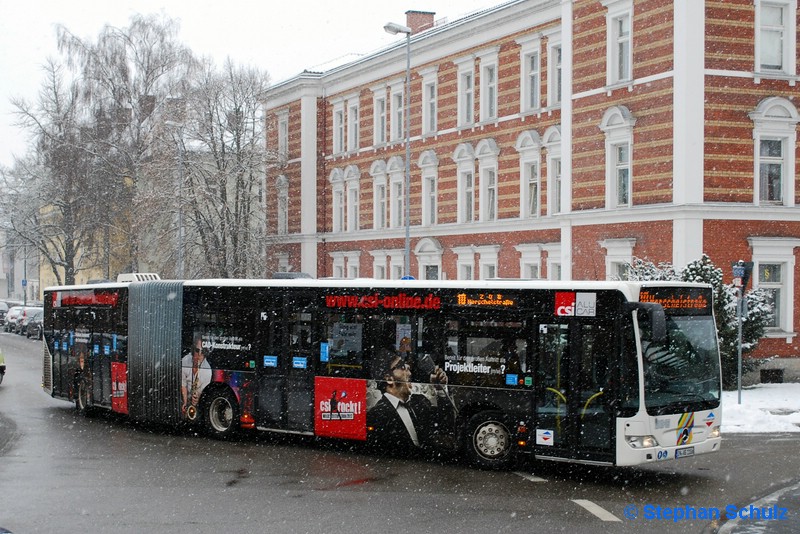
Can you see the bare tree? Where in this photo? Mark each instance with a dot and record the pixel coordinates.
(128, 78)
(225, 160)
(48, 203)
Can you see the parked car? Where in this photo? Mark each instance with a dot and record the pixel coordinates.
(23, 318)
(2, 367)
(11, 318)
(3, 310)
(33, 328)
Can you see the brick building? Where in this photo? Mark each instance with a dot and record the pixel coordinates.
(551, 139)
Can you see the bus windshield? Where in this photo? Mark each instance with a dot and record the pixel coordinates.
(681, 373)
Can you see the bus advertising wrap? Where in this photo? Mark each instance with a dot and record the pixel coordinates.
(340, 408)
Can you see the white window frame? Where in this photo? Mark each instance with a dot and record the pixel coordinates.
(788, 37)
(337, 200)
(283, 262)
(489, 193)
(283, 135)
(619, 47)
(529, 146)
(381, 199)
(621, 168)
(617, 125)
(429, 166)
(353, 125)
(555, 89)
(379, 107)
(487, 153)
(396, 264)
(430, 101)
(763, 175)
(487, 261)
(396, 171)
(429, 254)
(464, 158)
(530, 260)
(465, 262)
(555, 179)
(282, 209)
(489, 83)
(466, 91)
(396, 112)
(353, 198)
(337, 264)
(338, 128)
(379, 264)
(530, 97)
(778, 251)
(619, 252)
(553, 260)
(353, 262)
(775, 119)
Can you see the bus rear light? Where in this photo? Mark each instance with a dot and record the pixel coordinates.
(642, 442)
(247, 421)
(522, 443)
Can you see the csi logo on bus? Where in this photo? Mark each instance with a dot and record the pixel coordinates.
(573, 304)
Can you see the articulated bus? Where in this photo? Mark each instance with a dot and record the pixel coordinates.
(606, 373)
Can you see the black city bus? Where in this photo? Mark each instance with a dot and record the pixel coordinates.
(611, 373)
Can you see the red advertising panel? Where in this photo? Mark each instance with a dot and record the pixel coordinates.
(340, 408)
(119, 387)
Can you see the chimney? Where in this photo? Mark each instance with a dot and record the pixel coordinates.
(419, 20)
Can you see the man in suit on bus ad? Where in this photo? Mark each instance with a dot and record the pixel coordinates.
(403, 420)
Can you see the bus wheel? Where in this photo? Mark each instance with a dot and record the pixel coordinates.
(221, 414)
(82, 404)
(488, 441)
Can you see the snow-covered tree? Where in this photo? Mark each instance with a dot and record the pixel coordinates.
(755, 318)
(49, 198)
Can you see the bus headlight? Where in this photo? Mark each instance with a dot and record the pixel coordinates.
(642, 442)
(715, 433)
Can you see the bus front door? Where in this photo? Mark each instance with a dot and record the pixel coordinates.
(573, 419)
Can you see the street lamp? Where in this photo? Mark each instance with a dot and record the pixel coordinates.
(394, 29)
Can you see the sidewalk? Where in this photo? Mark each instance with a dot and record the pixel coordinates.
(764, 408)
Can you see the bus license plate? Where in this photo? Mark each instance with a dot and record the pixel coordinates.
(684, 453)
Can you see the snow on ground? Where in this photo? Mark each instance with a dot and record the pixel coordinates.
(764, 408)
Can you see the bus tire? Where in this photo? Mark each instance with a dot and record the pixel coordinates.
(82, 399)
(488, 442)
(221, 413)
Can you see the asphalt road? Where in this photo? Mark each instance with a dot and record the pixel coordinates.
(63, 472)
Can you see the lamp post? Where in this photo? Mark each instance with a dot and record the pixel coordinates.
(394, 29)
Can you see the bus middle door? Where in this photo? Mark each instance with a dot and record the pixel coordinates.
(286, 365)
(300, 365)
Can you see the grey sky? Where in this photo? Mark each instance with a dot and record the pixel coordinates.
(283, 38)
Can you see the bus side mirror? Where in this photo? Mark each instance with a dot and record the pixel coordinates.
(656, 318)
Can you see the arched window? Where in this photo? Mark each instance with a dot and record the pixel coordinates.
(617, 125)
(336, 179)
(464, 158)
(487, 152)
(775, 140)
(529, 146)
(429, 165)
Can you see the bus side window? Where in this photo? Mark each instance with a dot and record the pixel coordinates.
(345, 337)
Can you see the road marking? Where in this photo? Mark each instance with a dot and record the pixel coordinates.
(602, 513)
(530, 478)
